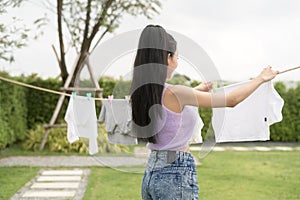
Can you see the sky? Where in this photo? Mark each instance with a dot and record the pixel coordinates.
(240, 37)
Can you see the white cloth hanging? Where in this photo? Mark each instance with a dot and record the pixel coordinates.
(82, 121)
(196, 137)
(249, 120)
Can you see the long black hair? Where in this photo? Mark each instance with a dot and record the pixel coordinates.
(149, 77)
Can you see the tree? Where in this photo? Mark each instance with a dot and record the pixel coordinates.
(12, 36)
(88, 21)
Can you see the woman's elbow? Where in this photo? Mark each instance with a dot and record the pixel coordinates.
(232, 102)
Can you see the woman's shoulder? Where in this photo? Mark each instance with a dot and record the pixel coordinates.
(177, 89)
(174, 96)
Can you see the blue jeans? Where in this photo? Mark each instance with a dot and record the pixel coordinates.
(170, 178)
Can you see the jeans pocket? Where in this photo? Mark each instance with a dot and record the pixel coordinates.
(168, 186)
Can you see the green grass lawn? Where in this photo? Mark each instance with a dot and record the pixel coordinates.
(250, 175)
(14, 178)
(222, 176)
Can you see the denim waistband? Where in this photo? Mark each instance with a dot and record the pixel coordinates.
(171, 156)
(161, 159)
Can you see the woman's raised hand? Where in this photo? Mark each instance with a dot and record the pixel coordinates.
(268, 74)
(204, 87)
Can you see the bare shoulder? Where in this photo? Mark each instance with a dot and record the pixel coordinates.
(171, 98)
(177, 89)
(181, 95)
(174, 97)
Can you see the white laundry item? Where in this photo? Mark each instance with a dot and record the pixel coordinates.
(196, 137)
(82, 121)
(250, 119)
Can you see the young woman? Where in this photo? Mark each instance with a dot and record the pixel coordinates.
(162, 115)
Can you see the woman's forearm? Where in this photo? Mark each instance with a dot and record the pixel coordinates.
(238, 95)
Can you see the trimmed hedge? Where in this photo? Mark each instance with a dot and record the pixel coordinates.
(41, 104)
(288, 130)
(13, 113)
(23, 108)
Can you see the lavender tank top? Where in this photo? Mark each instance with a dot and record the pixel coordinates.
(177, 130)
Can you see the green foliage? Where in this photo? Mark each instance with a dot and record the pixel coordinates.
(121, 89)
(195, 83)
(41, 104)
(13, 33)
(205, 114)
(106, 15)
(108, 85)
(179, 79)
(13, 113)
(288, 130)
(6, 133)
(34, 138)
(58, 142)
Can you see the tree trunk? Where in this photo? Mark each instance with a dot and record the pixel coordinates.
(62, 62)
(78, 68)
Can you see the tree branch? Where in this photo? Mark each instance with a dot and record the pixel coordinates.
(87, 24)
(63, 68)
(101, 18)
(104, 33)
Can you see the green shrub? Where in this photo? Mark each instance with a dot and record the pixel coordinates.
(13, 112)
(288, 130)
(6, 134)
(57, 141)
(41, 104)
(34, 138)
(107, 84)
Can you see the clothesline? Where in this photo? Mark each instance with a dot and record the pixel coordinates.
(287, 70)
(40, 88)
(66, 94)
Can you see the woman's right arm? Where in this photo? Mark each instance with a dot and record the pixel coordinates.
(190, 96)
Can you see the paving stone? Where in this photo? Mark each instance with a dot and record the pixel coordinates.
(297, 148)
(283, 148)
(49, 193)
(219, 149)
(59, 178)
(62, 172)
(195, 148)
(262, 148)
(56, 185)
(241, 149)
(53, 189)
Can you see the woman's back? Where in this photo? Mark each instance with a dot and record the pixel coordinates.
(177, 126)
